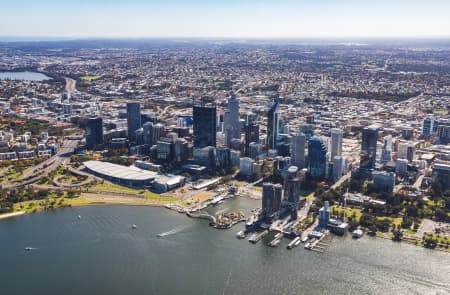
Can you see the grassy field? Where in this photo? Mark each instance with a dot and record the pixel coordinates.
(348, 212)
(114, 188)
(91, 78)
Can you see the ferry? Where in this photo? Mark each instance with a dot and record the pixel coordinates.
(293, 243)
(357, 233)
(241, 234)
(255, 238)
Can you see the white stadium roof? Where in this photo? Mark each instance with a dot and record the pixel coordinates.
(119, 171)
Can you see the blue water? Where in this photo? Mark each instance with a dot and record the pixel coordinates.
(27, 76)
(101, 254)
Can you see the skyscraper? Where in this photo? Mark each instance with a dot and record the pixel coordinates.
(317, 158)
(251, 135)
(298, 150)
(152, 133)
(427, 127)
(205, 118)
(133, 119)
(336, 143)
(292, 190)
(94, 132)
(368, 155)
(386, 151)
(271, 199)
(272, 124)
(231, 122)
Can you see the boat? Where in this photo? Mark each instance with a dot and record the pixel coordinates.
(304, 239)
(134, 226)
(29, 248)
(293, 243)
(275, 242)
(308, 246)
(357, 233)
(79, 216)
(241, 234)
(255, 238)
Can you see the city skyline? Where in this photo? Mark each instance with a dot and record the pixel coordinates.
(51, 19)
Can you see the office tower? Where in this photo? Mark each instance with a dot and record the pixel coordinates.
(151, 133)
(402, 150)
(441, 175)
(272, 124)
(368, 154)
(292, 190)
(427, 127)
(245, 166)
(385, 181)
(401, 166)
(205, 118)
(386, 151)
(254, 150)
(443, 132)
(205, 156)
(298, 150)
(231, 124)
(324, 215)
(407, 133)
(165, 150)
(133, 119)
(336, 143)
(223, 158)
(251, 135)
(411, 152)
(338, 167)
(94, 132)
(307, 130)
(139, 136)
(271, 199)
(181, 150)
(317, 158)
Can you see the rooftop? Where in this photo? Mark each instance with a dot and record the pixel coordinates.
(119, 171)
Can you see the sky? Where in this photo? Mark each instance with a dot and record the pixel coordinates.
(225, 18)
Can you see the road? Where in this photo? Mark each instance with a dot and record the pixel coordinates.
(341, 180)
(62, 157)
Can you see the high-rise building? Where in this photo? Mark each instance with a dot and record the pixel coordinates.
(338, 167)
(232, 127)
(151, 133)
(336, 143)
(292, 190)
(386, 151)
(307, 130)
(251, 135)
(223, 158)
(205, 118)
(317, 158)
(133, 119)
(427, 127)
(271, 199)
(298, 150)
(165, 150)
(181, 150)
(272, 124)
(368, 155)
(94, 132)
(324, 215)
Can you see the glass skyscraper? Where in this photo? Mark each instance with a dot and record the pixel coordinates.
(133, 119)
(272, 124)
(317, 158)
(94, 132)
(368, 155)
(205, 118)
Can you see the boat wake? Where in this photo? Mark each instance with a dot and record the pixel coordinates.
(172, 232)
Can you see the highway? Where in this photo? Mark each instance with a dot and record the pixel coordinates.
(62, 157)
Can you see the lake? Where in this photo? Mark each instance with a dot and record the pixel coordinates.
(101, 254)
(28, 76)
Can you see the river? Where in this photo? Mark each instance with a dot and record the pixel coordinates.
(28, 76)
(101, 254)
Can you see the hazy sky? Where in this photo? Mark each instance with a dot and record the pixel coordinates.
(225, 18)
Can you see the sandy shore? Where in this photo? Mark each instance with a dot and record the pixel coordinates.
(10, 215)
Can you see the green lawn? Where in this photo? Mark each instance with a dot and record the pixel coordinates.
(91, 78)
(115, 188)
(348, 211)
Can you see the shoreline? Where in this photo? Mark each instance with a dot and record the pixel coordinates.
(11, 214)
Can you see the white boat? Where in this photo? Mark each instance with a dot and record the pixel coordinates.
(79, 216)
(308, 246)
(241, 234)
(134, 226)
(357, 233)
(304, 239)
